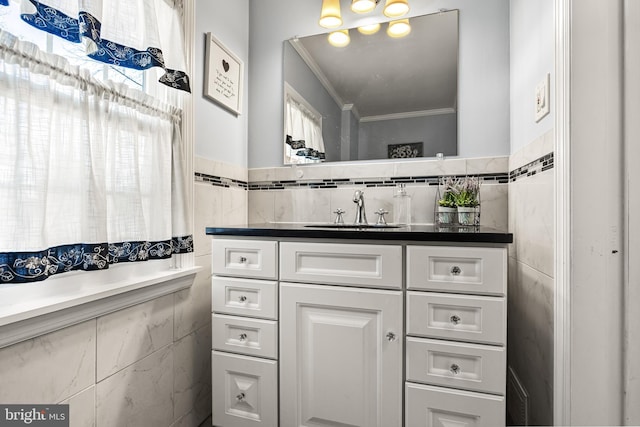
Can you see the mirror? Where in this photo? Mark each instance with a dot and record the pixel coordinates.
(376, 98)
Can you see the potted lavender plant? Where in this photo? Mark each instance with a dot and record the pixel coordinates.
(446, 204)
(467, 200)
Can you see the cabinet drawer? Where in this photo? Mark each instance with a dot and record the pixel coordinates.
(456, 317)
(430, 406)
(244, 391)
(254, 298)
(460, 365)
(457, 269)
(254, 337)
(244, 258)
(377, 266)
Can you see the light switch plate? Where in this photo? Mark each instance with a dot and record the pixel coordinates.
(542, 98)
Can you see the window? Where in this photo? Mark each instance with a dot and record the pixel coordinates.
(91, 172)
(74, 52)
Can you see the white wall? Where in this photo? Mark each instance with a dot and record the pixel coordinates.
(532, 57)
(219, 134)
(483, 82)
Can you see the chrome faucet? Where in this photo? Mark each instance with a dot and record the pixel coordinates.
(361, 215)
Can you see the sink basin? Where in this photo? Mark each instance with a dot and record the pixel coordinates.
(353, 226)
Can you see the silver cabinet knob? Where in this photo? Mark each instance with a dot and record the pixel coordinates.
(455, 369)
(391, 336)
(455, 270)
(240, 397)
(242, 298)
(243, 260)
(243, 337)
(455, 319)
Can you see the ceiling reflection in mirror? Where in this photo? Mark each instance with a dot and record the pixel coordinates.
(376, 98)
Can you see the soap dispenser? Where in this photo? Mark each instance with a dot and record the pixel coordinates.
(401, 206)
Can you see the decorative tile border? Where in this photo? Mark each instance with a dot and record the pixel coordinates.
(537, 166)
(500, 178)
(219, 181)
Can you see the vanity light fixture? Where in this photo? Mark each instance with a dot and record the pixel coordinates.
(369, 29)
(396, 8)
(330, 16)
(339, 38)
(399, 28)
(363, 6)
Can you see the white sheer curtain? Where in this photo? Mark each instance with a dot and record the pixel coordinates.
(137, 34)
(89, 173)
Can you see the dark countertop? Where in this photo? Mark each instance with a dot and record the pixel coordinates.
(422, 233)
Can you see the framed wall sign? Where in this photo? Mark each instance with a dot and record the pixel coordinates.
(223, 76)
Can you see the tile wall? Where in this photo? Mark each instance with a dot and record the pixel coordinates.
(531, 283)
(141, 366)
(312, 193)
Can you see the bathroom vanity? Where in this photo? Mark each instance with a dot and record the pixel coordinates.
(376, 327)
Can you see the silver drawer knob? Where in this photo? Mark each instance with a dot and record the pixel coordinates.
(455, 319)
(240, 397)
(243, 337)
(243, 260)
(391, 336)
(455, 270)
(242, 298)
(455, 369)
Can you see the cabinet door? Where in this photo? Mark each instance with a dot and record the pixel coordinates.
(340, 356)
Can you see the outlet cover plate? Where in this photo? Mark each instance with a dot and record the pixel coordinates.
(542, 100)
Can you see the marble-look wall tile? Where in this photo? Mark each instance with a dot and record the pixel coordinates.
(483, 165)
(234, 206)
(531, 221)
(262, 207)
(530, 337)
(541, 146)
(302, 205)
(216, 168)
(494, 209)
(128, 335)
(192, 375)
(192, 306)
(140, 395)
(430, 167)
(50, 368)
(207, 213)
(82, 408)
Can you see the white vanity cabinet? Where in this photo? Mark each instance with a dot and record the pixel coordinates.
(313, 332)
(244, 325)
(456, 336)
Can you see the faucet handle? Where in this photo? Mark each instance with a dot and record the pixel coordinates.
(381, 220)
(339, 219)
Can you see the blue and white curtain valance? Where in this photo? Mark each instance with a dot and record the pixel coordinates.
(91, 173)
(137, 34)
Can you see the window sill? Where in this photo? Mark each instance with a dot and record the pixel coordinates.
(34, 309)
